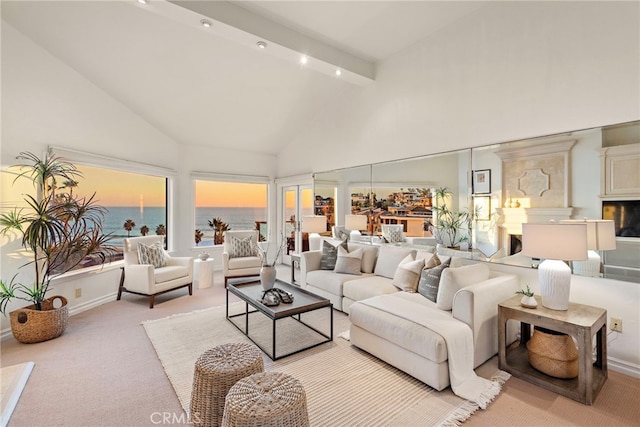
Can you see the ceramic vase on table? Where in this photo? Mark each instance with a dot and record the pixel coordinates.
(528, 302)
(267, 276)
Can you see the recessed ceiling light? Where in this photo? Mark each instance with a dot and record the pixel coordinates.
(262, 45)
(338, 72)
(304, 59)
(206, 23)
(143, 1)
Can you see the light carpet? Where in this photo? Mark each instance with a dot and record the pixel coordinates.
(345, 386)
(12, 381)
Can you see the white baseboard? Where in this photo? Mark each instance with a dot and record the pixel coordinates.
(76, 309)
(623, 367)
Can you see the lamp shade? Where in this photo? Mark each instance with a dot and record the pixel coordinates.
(601, 233)
(565, 241)
(314, 224)
(355, 222)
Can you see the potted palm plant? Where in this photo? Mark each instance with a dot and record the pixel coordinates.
(61, 230)
(450, 227)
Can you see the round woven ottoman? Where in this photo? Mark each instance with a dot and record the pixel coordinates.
(215, 372)
(266, 399)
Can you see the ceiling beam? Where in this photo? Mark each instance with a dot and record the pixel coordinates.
(247, 28)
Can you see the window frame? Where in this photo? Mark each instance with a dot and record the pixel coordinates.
(222, 177)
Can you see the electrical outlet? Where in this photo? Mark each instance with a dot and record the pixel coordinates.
(78, 292)
(616, 324)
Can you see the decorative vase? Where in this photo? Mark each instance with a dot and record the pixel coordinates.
(203, 256)
(267, 276)
(529, 302)
(31, 326)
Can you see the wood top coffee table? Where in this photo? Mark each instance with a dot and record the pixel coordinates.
(250, 291)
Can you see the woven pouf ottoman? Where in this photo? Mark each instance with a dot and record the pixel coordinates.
(215, 372)
(266, 399)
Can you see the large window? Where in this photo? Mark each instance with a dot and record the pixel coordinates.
(229, 205)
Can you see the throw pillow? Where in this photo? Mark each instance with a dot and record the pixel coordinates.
(152, 254)
(394, 235)
(349, 262)
(369, 255)
(388, 259)
(454, 279)
(241, 247)
(330, 255)
(408, 274)
(430, 281)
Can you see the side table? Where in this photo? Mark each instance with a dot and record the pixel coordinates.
(203, 273)
(581, 322)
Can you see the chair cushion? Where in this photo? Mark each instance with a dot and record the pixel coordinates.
(369, 255)
(166, 274)
(349, 262)
(241, 247)
(152, 254)
(244, 262)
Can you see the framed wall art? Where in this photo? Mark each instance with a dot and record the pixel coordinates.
(482, 207)
(481, 183)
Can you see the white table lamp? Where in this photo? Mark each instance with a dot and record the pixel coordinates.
(601, 236)
(555, 243)
(355, 223)
(314, 224)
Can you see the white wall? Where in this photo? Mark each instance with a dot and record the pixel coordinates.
(45, 102)
(513, 71)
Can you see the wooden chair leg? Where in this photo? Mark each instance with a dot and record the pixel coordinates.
(190, 288)
(121, 284)
(151, 298)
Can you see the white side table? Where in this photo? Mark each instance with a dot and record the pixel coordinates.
(203, 273)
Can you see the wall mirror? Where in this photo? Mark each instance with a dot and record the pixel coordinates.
(590, 173)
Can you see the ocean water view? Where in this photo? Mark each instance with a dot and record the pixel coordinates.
(237, 218)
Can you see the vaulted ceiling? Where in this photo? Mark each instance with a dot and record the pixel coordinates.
(213, 85)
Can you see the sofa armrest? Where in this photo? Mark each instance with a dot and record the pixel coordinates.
(309, 261)
(477, 306)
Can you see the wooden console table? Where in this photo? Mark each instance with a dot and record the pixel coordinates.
(581, 322)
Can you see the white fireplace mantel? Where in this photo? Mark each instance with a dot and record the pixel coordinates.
(511, 219)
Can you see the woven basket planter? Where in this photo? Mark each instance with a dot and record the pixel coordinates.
(29, 325)
(553, 353)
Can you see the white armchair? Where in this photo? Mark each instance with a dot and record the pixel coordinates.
(238, 261)
(145, 279)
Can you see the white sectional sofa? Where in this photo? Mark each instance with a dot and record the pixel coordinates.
(468, 292)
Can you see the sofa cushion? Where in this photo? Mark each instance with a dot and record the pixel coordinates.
(408, 274)
(369, 255)
(330, 254)
(367, 287)
(330, 281)
(430, 278)
(152, 254)
(388, 259)
(402, 332)
(349, 262)
(454, 279)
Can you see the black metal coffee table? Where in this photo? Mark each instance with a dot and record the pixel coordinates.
(250, 291)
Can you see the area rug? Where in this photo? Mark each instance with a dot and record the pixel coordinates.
(12, 381)
(345, 386)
